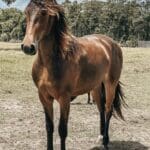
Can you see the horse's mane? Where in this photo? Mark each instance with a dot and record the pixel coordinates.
(43, 2)
(66, 43)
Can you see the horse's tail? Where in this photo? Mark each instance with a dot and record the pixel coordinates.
(119, 101)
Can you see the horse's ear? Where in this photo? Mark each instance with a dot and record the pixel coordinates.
(53, 11)
(55, 2)
(52, 1)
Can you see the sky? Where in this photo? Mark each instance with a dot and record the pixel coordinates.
(21, 4)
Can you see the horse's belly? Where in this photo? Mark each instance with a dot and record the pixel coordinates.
(88, 84)
(90, 77)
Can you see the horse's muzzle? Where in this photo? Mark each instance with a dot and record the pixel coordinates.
(29, 50)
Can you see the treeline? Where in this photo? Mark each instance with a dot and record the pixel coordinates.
(125, 21)
(12, 24)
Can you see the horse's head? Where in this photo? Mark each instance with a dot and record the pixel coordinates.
(40, 19)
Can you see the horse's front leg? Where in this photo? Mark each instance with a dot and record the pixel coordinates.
(64, 114)
(48, 109)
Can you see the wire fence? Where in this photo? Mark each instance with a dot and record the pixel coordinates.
(145, 44)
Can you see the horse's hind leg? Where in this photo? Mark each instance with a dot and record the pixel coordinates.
(110, 89)
(98, 95)
(102, 102)
(89, 99)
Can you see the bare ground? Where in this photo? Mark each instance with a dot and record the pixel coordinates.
(22, 125)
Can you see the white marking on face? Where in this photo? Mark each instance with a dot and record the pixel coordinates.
(36, 44)
(30, 28)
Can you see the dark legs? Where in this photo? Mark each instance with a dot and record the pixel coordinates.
(89, 99)
(104, 97)
(99, 97)
(102, 109)
(63, 132)
(102, 123)
(109, 97)
(64, 110)
(50, 130)
(106, 130)
(47, 102)
(64, 102)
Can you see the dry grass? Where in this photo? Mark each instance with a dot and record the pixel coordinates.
(9, 46)
(22, 119)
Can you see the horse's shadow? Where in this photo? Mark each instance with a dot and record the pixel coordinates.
(123, 145)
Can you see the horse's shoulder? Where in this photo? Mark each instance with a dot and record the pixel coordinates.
(37, 70)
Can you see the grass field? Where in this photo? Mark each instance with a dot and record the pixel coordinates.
(9, 46)
(22, 125)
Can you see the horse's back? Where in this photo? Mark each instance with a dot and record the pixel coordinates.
(107, 49)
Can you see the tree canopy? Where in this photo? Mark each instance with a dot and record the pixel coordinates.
(9, 1)
(125, 21)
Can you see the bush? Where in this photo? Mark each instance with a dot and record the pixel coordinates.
(132, 41)
(4, 37)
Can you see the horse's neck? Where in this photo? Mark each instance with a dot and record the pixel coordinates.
(48, 48)
(45, 51)
(49, 57)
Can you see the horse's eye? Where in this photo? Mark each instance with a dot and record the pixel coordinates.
(43, 12)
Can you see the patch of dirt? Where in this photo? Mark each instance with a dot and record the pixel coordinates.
(22, 126)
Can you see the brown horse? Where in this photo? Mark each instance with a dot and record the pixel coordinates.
(66, 66)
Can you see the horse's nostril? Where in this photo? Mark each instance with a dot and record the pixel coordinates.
(32, 47)
(30, 50)
(22, 46)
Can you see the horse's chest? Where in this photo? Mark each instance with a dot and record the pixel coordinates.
(47, 88)
(43, 81)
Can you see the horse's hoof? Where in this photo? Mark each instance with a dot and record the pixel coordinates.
(105, 140)
(89, 103)
(106, 147)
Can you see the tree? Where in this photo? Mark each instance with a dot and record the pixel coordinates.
(9, 1)
(12, 24)
(123, 20)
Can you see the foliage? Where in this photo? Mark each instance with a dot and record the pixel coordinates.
(11, 24)
(122, 20)
(9, 1)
